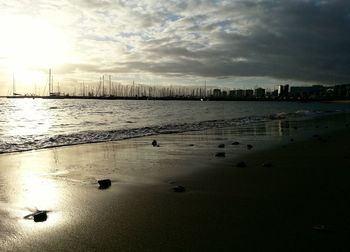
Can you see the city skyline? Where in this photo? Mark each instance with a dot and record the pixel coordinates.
(233, 44)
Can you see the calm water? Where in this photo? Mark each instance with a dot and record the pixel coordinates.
(27, 124)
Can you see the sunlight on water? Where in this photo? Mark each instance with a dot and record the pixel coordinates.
(28, 124)
(28, 118)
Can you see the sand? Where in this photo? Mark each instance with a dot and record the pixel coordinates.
(224, 207)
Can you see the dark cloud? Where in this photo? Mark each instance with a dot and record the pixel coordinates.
(302, 40)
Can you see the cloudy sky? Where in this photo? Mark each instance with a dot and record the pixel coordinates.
(234, 43)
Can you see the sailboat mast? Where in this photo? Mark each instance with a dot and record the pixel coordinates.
(13, 84)
(103, 85)
(50, 91)
(110, 85)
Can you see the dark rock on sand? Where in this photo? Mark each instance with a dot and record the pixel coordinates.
(266, 165)
(249, 146)
(40, 216)
(104, 183)
(154, 143)
(241, 164)
(221, 146)
(235, 143)
(179, 189)
(37, 216)
(292, 139)
(220, 154)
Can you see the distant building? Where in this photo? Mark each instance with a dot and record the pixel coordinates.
(283, 90)
(259, 93)
(239, 93)
(248, 93)
(308, 92)
(216, 92)
(342, 91)
(232, 93)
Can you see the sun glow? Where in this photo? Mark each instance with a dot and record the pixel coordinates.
(23, 120)
(28, 44)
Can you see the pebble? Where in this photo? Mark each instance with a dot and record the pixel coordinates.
(40, 216)
(220, 154)
(179, 189)
(104, 183)
(241, 164)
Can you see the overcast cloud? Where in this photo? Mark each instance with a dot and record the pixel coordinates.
(300, 40)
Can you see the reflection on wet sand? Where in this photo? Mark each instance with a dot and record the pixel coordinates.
(27, 189)
(63, 181)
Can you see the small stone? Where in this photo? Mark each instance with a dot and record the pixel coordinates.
(292, 139)
(266, 165)
(235, 143)
(221, 146)
(249, 146)
(241, 164)
(220, 154)
(191, 145)
(179, 189)
(40, 216)
(154, 143)
(104, 183)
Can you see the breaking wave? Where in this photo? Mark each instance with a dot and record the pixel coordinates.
(34, 142)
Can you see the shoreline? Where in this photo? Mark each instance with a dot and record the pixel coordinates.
(224, 207)
(228, 98)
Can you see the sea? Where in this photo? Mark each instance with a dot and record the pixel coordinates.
(31, 124)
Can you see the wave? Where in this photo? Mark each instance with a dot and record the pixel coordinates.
(26, 143)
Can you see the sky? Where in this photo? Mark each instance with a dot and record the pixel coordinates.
(235, 44)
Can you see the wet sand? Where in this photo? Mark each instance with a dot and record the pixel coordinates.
(300, 203)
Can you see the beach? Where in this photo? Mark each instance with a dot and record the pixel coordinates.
(298, 203)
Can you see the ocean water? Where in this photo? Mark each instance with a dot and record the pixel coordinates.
(29, 124)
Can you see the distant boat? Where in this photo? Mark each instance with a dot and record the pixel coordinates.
(52, 94)
(14, 93)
